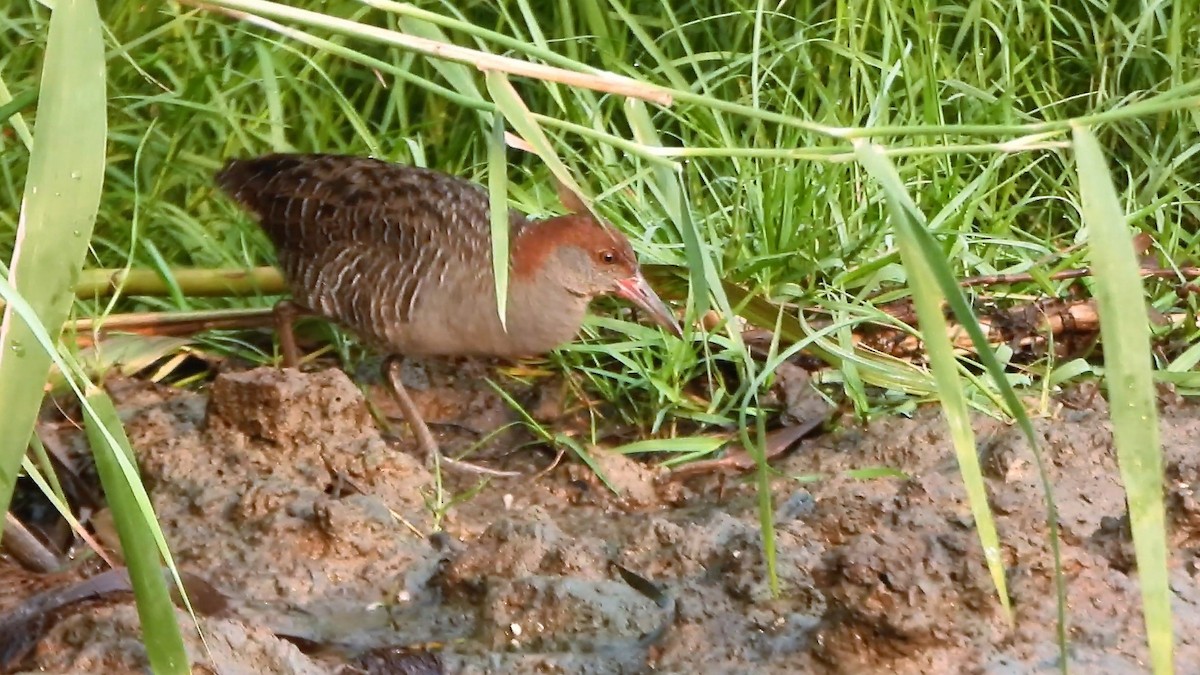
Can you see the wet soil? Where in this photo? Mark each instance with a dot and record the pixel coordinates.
(328, 543)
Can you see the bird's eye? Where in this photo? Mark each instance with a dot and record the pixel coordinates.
(608, 257)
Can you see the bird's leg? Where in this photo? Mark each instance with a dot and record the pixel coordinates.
(285, 313)
(428, 444)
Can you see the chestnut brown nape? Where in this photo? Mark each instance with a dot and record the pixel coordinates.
(605, 246)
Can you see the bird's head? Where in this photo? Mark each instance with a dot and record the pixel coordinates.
(589, 258)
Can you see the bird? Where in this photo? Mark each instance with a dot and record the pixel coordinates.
(402, 257)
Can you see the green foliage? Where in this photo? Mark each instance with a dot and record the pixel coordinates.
(924, 265)
(61, 190)
(776, 205)
(749, 179)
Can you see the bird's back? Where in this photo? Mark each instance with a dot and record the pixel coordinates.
(305, 201)
(372, 244)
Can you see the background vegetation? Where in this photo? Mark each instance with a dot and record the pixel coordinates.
(780, 209)
(974, 103)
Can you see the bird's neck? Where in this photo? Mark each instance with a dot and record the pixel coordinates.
(542, 313)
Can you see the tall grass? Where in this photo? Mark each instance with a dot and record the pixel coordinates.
(749, 179)
(57, 214)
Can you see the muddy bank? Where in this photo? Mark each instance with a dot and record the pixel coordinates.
(331, 547)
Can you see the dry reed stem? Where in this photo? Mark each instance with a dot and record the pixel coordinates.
(480, 60)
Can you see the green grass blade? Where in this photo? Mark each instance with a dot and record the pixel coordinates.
(670, 193)
(952, 292)
(42, 458)
(460, 77)
(271, 95)
(1125, 334)
(10, 109)
(498, 199)
(43, 480)
(699, 445)
(58, 211)
(160, 630)
(509, 102)
(927, 299)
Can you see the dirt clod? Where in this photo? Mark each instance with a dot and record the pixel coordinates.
(278, 489)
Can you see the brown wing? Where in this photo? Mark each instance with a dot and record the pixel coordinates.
(361, 240)
(308, 201)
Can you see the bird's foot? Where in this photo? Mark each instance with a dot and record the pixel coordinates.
(468, 467)
(429, 446)
(456, 426)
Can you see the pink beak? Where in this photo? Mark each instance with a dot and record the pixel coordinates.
(636, 290)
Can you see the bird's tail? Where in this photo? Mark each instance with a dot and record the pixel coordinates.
(278, 190)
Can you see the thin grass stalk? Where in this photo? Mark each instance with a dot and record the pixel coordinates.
(160, 630)
(608, 82)
(952, 292)
(928, 301)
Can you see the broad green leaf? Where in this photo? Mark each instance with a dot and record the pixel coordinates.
(58, 211)
(909, 218)
(506, 98)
